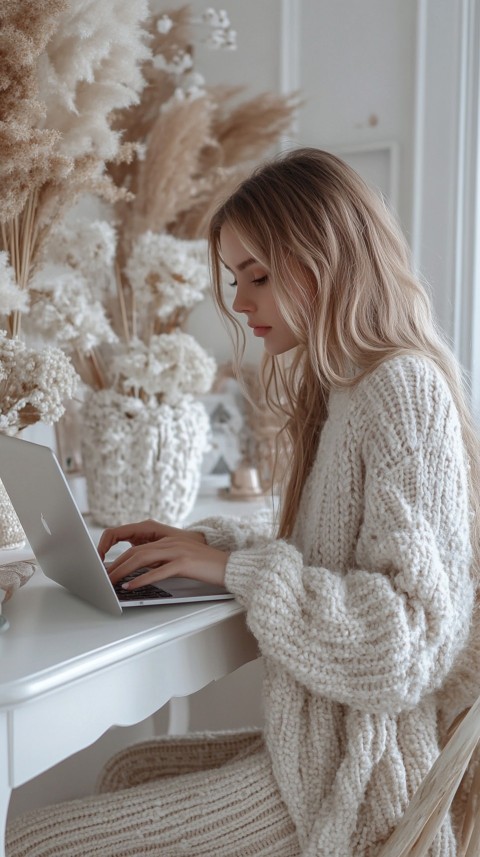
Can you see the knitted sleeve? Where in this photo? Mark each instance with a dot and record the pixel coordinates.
(386, 631)
(235, 533)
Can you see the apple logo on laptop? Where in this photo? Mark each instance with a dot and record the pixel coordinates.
(45, 525)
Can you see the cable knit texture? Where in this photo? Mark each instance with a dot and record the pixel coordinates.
(363, 619)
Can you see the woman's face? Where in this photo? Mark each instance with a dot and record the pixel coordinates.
(254, 294)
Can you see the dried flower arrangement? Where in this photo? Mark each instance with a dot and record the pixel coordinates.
(63, 72)
(121, 317)
(196, 142)
(122, 115)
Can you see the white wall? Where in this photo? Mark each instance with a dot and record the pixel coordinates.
(357, 67)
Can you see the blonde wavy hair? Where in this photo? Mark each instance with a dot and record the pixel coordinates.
(342, 278)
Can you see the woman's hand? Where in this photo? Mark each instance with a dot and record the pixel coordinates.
(141, 533)
(166, 551)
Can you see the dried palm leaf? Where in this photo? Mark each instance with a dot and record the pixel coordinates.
(192, 222)
(247, 130)
(239, 135)
(167, 175)
(135, 122)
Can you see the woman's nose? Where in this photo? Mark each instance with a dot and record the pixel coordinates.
(242, 302)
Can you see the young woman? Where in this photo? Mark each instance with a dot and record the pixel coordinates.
(361, 600)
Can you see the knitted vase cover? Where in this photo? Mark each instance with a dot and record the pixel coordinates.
(11, 531)
(142, 460)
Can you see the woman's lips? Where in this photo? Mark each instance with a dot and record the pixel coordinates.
(260, 331)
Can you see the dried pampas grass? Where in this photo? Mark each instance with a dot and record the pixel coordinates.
(183, 137)
(136, 121)
(239, 135)
(245, 131)
(63, 71)
(176, 139)
(193, 221)
(91, 67)
(196, 152)
(455, 776)
(28, 154)
(196, 144)
(64, 68)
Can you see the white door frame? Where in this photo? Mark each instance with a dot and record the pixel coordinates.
(446, 200)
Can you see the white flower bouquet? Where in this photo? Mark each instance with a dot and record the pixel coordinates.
(170, 366)
(70, 293)
(33, 384)
(74, 301)
(168, 276)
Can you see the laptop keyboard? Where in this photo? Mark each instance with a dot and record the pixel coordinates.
(142, 592)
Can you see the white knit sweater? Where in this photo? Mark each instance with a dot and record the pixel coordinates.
(360, 618)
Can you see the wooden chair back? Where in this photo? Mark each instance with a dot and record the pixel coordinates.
(454, 777)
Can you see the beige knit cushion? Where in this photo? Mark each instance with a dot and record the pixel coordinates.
(234, 810)
(172, 756)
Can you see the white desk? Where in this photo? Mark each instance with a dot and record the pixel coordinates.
(69, 672)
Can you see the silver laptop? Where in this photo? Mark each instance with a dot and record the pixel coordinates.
(60, 539)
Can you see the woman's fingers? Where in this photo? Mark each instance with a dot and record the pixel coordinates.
(131, 560)
(154, 557)
(141, 532)
(112, 535)
(170, 557)
(152, 575)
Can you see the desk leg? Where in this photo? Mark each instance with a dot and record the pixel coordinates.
(178, 715)
(5, 793)
(5, 790)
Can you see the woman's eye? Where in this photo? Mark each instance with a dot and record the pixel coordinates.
(233, 284)
(260, 281)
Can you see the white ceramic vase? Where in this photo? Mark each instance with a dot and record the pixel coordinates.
(140, 460)
(11, 531)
